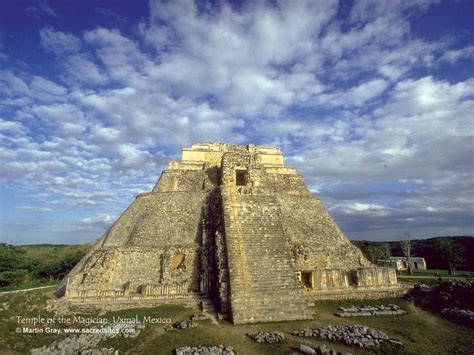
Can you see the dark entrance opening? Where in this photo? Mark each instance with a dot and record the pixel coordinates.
(306, 279)
(240, 178)
(416, 265)
(352, 278)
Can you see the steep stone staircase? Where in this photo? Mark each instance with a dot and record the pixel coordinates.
(263, 284)
(208, 309)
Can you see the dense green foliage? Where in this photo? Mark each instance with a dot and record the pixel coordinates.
(445, 294)
(375, 251)
(439, 253)
(31, 263)
(450, 252)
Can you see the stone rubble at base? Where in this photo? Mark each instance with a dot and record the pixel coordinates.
(86, 344)
(464, 315)
(205, 350)
(364, 311)
(319, 350)
(355, 335)
(267, 337)
(185, 324)
(231, 228)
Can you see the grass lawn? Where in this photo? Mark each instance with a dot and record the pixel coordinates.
(26, 304)
(431, 277)
(420, 331)
(30, 284)
(439, 273)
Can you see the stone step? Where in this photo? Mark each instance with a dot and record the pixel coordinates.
(262, 277)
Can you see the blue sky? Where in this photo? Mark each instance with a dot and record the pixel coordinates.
(372, 101)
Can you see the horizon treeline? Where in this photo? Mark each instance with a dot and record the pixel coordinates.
(439, 252)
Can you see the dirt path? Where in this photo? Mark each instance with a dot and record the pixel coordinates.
(26, 289)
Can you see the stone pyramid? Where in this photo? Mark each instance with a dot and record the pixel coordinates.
(229, 228)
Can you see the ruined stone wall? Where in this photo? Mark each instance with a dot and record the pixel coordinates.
(334, 279)
(315, 239)
(318, 246)
(286, 183)
(376, 276)
(159, 219)
(247, 162)
(212, 153)
(151, 250)
(183, 181)
(119, 271)
(357, 294)
(61, 290)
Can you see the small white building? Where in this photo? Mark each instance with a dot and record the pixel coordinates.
(401, 263)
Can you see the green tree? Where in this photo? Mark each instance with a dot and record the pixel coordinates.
(451, 253)
(378, 252)
(50, 270)
(14, 277)
(10, 258)
(406, 247)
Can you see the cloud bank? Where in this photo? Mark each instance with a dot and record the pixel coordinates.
(351, 94)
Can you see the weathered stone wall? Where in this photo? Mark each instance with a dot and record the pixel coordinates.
(152, 249)
(315, 239)
(212, 153)
(231, 162)
(285, 183)
(333, 279)
(357, 293)
(124, 271)
(159, 219)
(184, 181)
(318, 245)
(61, 290)
(120, 303)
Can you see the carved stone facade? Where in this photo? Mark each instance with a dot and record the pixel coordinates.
(233, 225)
